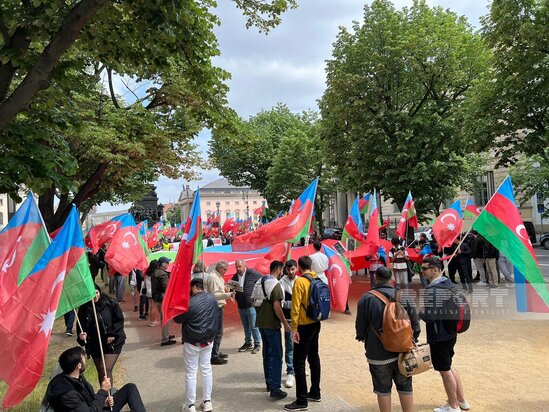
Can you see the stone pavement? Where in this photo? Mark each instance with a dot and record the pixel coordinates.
(238, 385)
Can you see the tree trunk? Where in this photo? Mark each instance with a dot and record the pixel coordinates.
(39, 76)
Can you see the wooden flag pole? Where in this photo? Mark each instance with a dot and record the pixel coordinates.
(455, 251)
(100, 344)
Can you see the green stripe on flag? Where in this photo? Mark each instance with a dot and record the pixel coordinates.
(33, 254)
(78, 287)
(507, 242)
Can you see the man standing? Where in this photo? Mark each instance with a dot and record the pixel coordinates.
(215, 284)
(70, 391)
(441, 334)
(382, 363)
(159, 283)
(199, 326)
(491, 254)
(305, 334)
(478, 258)
(247, 279)
(287, 283)
(319, 263)
(269, 319)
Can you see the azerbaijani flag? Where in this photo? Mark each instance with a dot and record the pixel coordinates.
(363, 204)
(354, 228)
(471, 210)
(501, 225)
(448, 225)
(289, 228)
(408, 216)
(22, 242)
(27, 318)
(176, 298)
(372, 237)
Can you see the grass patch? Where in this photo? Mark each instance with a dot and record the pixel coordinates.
(59, 342)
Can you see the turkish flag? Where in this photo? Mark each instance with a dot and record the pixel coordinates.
(448, 225)
(102, 233)
(338, 279)
(125, 252)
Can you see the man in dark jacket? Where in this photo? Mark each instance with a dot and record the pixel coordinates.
(464, 267)
(159, 283)
(441, 333)
(382, 363)
(199, 326)
(70, 391)
(247, 278)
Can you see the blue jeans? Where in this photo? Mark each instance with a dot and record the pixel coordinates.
(247, 317)
(120, 287)
(289, 352)
(272, 358)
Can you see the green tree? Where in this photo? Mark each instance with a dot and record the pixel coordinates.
(37, 33)
(395, 85)
(173, 215)
(244, 153)
(83, 144)
(531, 176)
(509, 110)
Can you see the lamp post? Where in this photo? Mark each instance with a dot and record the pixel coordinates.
(218, 204)
(245, 197)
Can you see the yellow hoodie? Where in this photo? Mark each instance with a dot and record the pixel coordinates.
(300, 301)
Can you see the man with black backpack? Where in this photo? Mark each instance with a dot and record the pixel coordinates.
(305, 334)
(370, 328)
(439, 313)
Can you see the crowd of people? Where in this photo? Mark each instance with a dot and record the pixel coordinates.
(275, 320)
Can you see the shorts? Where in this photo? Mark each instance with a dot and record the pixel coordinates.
(383, 377)
(442, 354)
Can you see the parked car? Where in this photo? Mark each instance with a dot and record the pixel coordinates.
(423, 229)
(332, 233)
(544, 240)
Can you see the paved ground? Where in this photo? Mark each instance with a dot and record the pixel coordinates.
(346, 385)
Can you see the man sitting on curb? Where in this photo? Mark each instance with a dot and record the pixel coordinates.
(70, 391)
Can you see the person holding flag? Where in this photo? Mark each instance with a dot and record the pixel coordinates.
(110, 323)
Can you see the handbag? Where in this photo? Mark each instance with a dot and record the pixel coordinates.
(415, 361)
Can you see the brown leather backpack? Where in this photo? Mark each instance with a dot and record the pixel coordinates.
(396, 330)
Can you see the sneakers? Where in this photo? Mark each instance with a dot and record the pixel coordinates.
(223, 355)
(207, 406)
(135, 308)
(256, 349)
(447, 408)
(278, 395)
(190, 408)
(218, 360)
(143, 317)
(294, 406)
(290, 380)
(245, 347)
(313, 398)
(464, 405)
(69, 333)
(153, 324)
(168, 342)
(347, 312)
(481, 283)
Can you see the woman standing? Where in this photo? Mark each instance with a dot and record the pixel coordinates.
(111, 326)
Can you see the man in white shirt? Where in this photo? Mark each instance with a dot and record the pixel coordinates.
(320, 262)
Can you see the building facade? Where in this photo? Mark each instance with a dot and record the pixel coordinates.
(220, 196)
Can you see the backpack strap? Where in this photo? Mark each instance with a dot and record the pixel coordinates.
(263, 280)
(386, 301)
(311, 279)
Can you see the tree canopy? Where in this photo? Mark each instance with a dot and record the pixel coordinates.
(395, 85)
(63, 130)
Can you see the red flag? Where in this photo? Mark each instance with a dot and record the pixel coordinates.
(176, 298)
(229, 225)
(26, 320)
(372, 237)
(125, 252)
(103, 233)
(448, 225)
(339, 279)
(408, 216)
(279, 252)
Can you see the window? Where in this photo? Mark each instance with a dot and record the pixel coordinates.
(208, 214)
(208, 203)
(484, 188)
(227, 215)
(1, 219)
(255, 202)
(227, 203)
(396, 209)
(237, 215)
(1, 202)
(237, 202)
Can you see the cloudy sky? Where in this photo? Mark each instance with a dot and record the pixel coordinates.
(287, 65)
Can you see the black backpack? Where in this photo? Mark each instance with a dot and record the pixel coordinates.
(457, 310)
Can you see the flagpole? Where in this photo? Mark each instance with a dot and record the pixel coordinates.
(100, 345)
(456, 250)
(78, 322)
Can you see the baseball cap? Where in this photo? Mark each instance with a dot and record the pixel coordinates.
(164, 259)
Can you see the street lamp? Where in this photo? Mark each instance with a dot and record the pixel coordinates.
(217, 204)
(245, 197)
